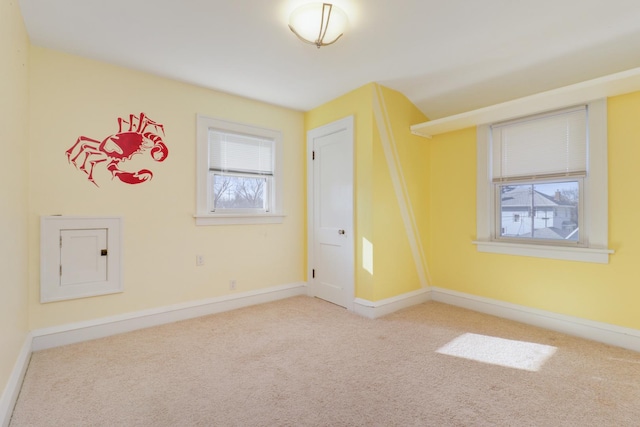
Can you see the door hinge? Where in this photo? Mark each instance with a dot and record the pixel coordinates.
(60, 270)
(313, 273)
(313, 155)
(60, 241)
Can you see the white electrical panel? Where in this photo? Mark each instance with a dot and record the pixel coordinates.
(83, 256)
(79, 257)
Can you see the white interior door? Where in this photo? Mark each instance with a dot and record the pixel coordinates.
(331, 231)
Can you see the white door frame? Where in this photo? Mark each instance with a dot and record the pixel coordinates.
(336, 126)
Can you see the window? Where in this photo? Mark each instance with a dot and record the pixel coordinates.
(238, 173)
(537, 170)
(542, 185)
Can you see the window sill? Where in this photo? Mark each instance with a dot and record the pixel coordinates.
(600, 256)
(238, 219)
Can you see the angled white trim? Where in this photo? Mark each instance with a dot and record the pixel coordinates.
(399, 185)
(597, 331)
(98, 328)
(375, 309)
(12, 389)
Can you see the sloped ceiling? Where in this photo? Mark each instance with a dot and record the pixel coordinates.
(446, 56)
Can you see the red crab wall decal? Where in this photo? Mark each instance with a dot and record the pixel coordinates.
(134, 136)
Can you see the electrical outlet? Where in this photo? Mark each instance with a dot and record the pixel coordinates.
(199, 260)
(232, 284)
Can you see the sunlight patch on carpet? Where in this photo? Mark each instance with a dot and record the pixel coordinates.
(499, 351)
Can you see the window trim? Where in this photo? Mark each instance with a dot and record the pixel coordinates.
(203, 216)
(595, 215)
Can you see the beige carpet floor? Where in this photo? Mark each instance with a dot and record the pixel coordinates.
(305, 362)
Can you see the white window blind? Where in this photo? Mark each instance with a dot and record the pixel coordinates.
(545, 146)
(230, 152)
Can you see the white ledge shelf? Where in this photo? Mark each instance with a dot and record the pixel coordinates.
(238, 219)
(566, 253)
(601, 87)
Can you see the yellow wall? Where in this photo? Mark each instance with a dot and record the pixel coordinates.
(377, 213)
(71, 96)
(395, 265)
(606, 293)
(356, 103)
(14, 47)
(441, 185)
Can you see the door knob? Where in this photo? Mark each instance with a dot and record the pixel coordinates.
(340, 231)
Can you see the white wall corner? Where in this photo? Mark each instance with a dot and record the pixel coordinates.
(596, 331)
(99, 328)
(12, 389)
(375, 309)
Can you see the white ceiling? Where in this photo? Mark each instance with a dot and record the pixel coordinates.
(446, 56)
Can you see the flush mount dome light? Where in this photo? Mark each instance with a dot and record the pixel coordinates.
(320, 24)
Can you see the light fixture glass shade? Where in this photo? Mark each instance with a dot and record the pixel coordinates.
(320, 24)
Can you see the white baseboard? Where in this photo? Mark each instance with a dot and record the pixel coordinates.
(41, 339)
(602, 332)
(72, 333)
(375, 309)
(12, 389)
(98, 328)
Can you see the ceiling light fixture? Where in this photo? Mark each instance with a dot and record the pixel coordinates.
(331, 19)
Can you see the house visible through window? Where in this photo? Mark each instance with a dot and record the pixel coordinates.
(540, 211)
(238, 170)
(542, 185)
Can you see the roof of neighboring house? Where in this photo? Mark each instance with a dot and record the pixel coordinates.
(552, 233)
(521, 196)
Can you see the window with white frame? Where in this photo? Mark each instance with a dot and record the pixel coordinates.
(238, 173)
(542, 185)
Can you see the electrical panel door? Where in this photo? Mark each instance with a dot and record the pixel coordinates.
(83, 256)
(79, 257)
